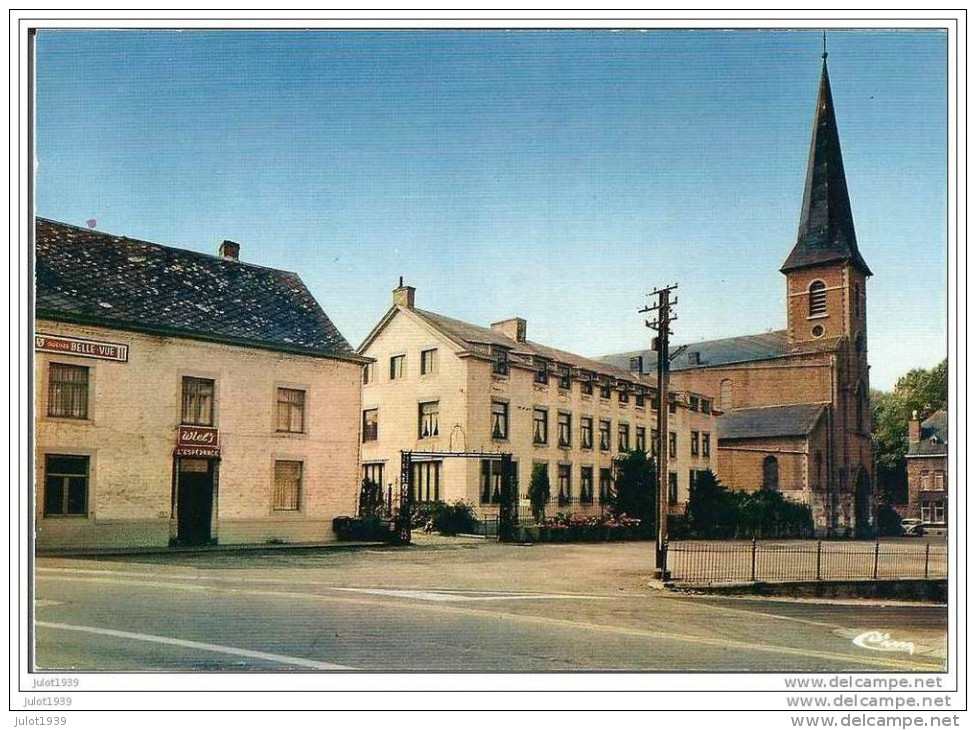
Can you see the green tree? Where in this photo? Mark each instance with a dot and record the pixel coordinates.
(539, 492)
(636, 488)
(370, 498)
(711, 507)
(924, 391)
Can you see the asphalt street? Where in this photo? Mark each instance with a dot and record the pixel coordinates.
(457, 605)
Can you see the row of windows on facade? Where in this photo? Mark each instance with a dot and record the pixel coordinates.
(66, 484)
(934, 480)
(68, 397)
(428, 365)
(428, 426)
(426, 485)
(817, 299)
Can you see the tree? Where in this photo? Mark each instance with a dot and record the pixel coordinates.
(924, 391)
(710, 506)
(370, 498)
(635, 492)
(539, 491)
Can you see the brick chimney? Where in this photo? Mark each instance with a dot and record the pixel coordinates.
(403, 296)
(229, 250)
(914, 428)
(513, 329)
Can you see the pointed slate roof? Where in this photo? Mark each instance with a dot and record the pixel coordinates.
(91, 277)
(826, 231)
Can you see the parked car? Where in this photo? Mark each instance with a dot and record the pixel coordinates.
(911, 527)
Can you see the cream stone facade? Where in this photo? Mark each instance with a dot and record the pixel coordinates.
(187, 440)
(488, 392)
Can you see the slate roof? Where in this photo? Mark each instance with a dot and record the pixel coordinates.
(826, 230)
(746, 348)
(479, 339)
(933, 436)
(92, 277)
(770, 421)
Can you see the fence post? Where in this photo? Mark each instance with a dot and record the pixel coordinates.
(819, 552)
(664, 557)
(927, 559)
(753, 559)
(877, 551)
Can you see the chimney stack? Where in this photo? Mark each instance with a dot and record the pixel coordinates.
(403, 296)
(513, 329)
(229, 250)
(914, 428)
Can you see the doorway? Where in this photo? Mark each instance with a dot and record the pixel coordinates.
(194, 500)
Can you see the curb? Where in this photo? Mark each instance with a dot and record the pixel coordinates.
(200, 549)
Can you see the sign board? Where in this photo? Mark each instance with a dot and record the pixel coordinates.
(197, 441)
(81, 348)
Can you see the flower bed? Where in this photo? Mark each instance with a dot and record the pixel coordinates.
(578, 528)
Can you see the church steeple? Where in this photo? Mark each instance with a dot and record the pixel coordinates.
(826, 231)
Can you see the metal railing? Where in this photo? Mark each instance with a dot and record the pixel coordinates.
(803, 560)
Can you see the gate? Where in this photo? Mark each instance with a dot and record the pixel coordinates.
(508, 496)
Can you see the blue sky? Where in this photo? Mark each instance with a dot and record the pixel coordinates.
(552, 175)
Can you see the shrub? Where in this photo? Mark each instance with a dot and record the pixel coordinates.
(452, 519)
(635, 491)
(370, 498)
(539, 492)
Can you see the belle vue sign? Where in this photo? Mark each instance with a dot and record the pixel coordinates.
(81, 348)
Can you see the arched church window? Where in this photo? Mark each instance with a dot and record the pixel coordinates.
(817, 296)
(725, 394)
(770, 473)
(857, 299)
(818, 468)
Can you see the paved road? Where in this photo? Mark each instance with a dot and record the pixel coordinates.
(445, 605)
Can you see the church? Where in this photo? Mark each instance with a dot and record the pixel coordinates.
(796, 415)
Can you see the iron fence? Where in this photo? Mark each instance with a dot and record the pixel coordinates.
(803, 560)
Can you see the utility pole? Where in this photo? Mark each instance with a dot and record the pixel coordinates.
(661, 323)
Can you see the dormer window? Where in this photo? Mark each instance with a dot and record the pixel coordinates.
(499, 360)
(564, 377)
(541, 372)
(817, 296)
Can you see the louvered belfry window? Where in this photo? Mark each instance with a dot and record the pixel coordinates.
(67, 391)
(818, 298)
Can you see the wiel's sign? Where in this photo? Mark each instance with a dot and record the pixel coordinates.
(197, 441)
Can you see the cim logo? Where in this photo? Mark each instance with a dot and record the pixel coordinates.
(882, 641)
(197, 436)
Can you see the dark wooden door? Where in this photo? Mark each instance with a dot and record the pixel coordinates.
(194, 506)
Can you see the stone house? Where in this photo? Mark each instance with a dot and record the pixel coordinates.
(182, 398)
(442, 385)
(928, 468)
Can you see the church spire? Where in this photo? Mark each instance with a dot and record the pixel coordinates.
(826, 231)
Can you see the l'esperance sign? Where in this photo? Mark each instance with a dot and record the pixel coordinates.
(81, 348)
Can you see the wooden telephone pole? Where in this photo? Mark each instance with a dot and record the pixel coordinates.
(661, 323)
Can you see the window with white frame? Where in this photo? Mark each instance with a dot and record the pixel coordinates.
(398, 364)
(198, 402)
(291, 410)
(65, 485)
(428, 361)
(540, 426)
(429, 420)
(67, 391)
(565, 423)
(287, 486)
(499, 420)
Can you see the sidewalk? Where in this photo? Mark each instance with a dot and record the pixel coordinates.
(183, 549)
